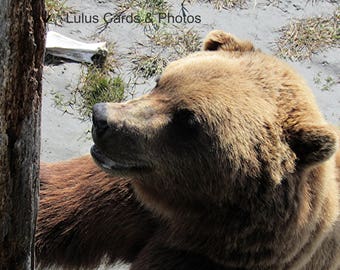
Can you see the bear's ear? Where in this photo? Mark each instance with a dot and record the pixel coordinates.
(313, 144)
(219, 40)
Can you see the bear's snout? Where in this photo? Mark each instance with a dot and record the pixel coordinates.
(111, 127)
(120, 136)
(99, 118)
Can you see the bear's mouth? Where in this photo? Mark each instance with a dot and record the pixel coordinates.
(110, 165)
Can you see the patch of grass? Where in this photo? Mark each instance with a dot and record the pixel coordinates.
(148, 66)
(317, 78)
(317, 1)
(303, 38)
(221, 4)
(56, 10)
(95, 87)
(228, 4)
(181, 41)
(163, 46)
(96, 84)
(147, 11)
(326, 83)
(329, 82)
(153, 6)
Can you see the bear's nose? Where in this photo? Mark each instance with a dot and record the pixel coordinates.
(99, 118)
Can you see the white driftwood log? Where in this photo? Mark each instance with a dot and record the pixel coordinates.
(61, 46)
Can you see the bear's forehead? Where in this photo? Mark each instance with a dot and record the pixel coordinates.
(194, 75)
(210, 78)
(198, 67)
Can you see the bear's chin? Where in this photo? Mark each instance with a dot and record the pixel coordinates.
(116, 167)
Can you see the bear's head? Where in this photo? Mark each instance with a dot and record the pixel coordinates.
(219, 124)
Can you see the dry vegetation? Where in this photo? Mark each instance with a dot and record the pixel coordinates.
(97, 86)
(152, 6)
(302, 38)
(146, 10)
(162, 47)
(221, 4)
(56, 10)
(97, 83)
(228, 4)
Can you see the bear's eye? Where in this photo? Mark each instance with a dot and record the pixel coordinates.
(185, 123)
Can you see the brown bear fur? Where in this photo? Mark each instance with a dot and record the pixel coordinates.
(86, 214)
(226, 164)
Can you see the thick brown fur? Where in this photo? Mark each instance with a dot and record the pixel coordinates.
(227, 164)
(85, 214)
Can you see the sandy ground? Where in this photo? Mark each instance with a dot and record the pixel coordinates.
(63, 134)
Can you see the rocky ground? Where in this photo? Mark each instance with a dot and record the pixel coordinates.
(64, 135)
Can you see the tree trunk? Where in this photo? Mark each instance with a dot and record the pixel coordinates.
(22, 42)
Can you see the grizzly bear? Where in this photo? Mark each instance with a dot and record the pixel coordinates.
(226, 164)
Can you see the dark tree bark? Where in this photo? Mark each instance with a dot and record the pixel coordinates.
(22, 42)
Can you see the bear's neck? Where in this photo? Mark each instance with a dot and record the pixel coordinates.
(250, 231)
